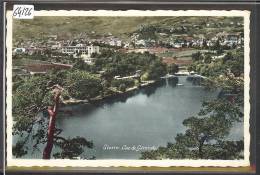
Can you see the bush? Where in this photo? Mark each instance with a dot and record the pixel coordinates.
(82, 85)
(157, 70)
(126, 82)
(173, 68)
(122, 87)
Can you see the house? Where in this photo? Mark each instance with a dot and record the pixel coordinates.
(92, 49)
(177, 45)
(114, 41)
(232, 39)
(35, 50)
(87, 57)
(56, 46)
(79, 48)
(140, 42)
(127, 45)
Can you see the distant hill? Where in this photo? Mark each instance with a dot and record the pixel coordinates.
(67, 27)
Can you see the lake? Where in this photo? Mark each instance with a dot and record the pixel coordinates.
(121, 128)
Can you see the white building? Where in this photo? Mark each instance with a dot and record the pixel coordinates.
(177, 45)
(140, 42)
(80, 49)
(115, 43)
(232, 39)
(93, 49)
(119, 43)
(56, 46)
(87, 57)
(127, 45)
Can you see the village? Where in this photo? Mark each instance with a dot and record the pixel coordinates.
(171, 51)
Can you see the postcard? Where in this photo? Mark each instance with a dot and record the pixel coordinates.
(128, 89)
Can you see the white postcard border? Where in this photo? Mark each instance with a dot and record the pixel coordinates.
(122, 162)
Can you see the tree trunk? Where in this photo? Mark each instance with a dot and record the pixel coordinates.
(201, 143)
(48, 148)
(51, 129)
(200, 151)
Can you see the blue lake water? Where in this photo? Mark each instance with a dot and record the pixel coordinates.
(122, 127)
(149, 118)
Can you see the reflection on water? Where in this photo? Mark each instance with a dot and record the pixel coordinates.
(146, 118)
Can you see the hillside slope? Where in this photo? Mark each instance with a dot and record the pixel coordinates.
(67, 27)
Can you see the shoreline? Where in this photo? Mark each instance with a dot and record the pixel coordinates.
(110, 96)
(118, 94)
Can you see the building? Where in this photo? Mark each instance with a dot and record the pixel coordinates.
(176, 45)
(88, 57)
(56, 46)
(80, 49)
(92, 49)
(126, 45)
(232, 39)
(140, 42)
(112, 41)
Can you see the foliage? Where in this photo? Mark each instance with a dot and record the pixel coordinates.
(127, 64)
(82, 85)
(217, 47)
(197, 56)
(225, 73)
(172, 68)
(147, 32)
(123, 83)
(235, 63)
(205, 135)
(19, 149)
(221, 108)
(122, 87)
(31, 96)
(156, 70)
(207, 59)
(71, 148)
(81, 65)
